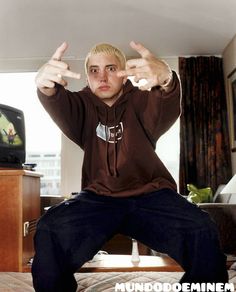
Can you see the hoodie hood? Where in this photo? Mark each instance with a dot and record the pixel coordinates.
(127, 87)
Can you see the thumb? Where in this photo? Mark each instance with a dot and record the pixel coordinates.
(60, 52)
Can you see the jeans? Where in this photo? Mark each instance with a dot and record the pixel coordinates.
(72, 232)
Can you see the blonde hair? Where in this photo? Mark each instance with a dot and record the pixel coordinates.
(107, 49)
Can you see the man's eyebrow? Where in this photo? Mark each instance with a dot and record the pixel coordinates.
(111, 65)
(96, 66)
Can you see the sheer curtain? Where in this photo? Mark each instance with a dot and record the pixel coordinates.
(205, 158)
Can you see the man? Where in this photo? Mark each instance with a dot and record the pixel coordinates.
(125, 186)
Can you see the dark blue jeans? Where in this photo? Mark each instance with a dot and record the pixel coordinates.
(72, 232)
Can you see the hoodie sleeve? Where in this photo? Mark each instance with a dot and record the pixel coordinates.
(159, 110)
(67, 110)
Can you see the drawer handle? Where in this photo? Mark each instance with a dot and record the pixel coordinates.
(29, 226)
(26, 228)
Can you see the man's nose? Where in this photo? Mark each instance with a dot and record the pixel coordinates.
(103, 75)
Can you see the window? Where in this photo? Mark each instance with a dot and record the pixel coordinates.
(43, 138)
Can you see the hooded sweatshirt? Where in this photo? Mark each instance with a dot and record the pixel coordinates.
(119, 141)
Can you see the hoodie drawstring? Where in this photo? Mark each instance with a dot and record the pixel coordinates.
(115, 173)
(107, 144)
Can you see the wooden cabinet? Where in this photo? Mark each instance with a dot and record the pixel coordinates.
(19, 212)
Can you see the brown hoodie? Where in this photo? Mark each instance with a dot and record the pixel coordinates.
(118, 141)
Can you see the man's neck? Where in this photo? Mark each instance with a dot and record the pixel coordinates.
(113, 99)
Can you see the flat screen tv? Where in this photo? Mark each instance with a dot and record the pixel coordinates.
(12, 137)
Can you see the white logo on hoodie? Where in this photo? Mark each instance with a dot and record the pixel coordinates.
(110, 134)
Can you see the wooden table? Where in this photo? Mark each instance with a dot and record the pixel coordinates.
(122, 263)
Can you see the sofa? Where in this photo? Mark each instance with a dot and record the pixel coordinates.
(223, 211)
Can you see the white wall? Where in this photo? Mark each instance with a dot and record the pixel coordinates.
(229, 62)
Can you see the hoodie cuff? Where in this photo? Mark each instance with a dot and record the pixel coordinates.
(41, 95)
(170, 84)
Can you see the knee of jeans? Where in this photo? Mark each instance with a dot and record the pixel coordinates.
(208, 223)
(202, 220)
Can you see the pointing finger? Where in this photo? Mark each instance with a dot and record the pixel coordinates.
(144, 52)
(125, 73)
(60, 52)
(70, 74)
(139, 71)
(135, 63)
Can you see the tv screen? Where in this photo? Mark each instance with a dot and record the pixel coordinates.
(12, 137)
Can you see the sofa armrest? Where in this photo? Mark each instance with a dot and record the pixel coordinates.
(217, 206)
(224, 216)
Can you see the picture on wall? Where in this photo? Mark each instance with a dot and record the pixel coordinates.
(232, 107)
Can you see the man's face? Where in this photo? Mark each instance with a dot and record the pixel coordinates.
(102, 78)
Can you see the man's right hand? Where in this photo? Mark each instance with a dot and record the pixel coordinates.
(53, 72)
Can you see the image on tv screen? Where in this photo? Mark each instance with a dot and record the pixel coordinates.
(8, 133)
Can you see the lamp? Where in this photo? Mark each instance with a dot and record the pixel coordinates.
(230, 188)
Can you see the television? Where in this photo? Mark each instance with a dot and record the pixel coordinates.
(12, 137)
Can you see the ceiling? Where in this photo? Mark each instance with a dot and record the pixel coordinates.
(33, 29)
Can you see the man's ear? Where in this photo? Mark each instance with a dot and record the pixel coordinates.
(124, 80)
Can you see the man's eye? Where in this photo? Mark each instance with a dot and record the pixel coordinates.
(111, 69)
(93, 70)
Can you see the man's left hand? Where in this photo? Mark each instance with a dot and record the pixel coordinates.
(155, 71)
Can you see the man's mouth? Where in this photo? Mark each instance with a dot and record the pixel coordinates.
(104, 87)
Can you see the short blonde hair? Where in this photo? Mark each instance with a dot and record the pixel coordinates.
(107, 49)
